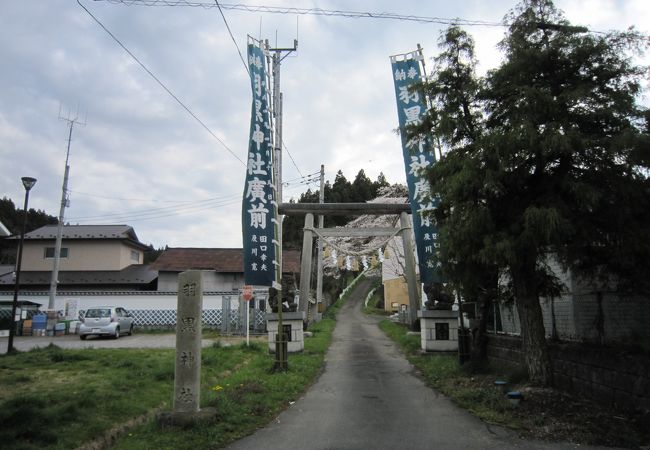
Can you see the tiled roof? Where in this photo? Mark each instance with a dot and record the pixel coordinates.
(84, 232)
(228, 260)
(137, 274)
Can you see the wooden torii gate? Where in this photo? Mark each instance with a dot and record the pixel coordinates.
(355, 209)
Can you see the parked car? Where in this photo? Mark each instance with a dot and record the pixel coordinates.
(106, 321)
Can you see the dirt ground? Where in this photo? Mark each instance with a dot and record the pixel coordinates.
(549, 414)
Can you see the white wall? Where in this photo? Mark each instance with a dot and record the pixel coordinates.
(212, 281)
(134, 300)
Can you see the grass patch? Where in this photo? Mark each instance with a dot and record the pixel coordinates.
(238, 382)
(53, 398)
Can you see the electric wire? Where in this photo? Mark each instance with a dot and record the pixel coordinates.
(126, 199)
(233, 38)
(311, 11)
(189, 111)
(291, 157)
(164, 210)
(189, 207)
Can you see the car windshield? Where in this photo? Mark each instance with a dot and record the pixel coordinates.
(98, 312)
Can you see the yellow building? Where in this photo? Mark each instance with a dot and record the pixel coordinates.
(395, 294)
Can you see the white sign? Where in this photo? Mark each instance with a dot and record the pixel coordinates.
(71, 308)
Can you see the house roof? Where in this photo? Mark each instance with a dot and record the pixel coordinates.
(137, 274)
(69, 232)
(228, 260)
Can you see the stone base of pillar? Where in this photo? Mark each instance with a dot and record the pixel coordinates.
(186, 419)
(292, 321)
(438, 330)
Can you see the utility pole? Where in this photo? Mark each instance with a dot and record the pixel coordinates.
(277, 148)
(59, 232)
(277, 173)
(321, 225)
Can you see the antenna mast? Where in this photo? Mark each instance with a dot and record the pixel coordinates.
(65, 202)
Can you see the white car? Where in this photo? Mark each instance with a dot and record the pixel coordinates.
(106, 321)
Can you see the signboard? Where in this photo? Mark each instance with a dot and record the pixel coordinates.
(259, 207)
(247, 292)
(71, 308)
(418, 155)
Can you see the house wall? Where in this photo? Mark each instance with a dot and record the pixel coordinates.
(585, 318)
(128, 255)
(579, 313)
(82, 255)
(212, 281)
(395, 291)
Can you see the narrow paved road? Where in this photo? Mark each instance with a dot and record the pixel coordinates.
(368, 397)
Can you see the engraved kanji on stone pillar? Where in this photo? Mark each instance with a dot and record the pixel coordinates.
(187, 380)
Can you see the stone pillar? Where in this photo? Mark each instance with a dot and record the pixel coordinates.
(187, 373)
(409, 266)
(187, 379)
(305, 263)
(225, 314)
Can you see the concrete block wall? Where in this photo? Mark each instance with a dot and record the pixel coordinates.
(609, 376)
(623, 318)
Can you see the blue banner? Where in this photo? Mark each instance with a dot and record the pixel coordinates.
(259, 207)
(418, 155)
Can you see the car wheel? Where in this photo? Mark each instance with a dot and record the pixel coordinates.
(131, 330)
(83, 337)
(117, 333)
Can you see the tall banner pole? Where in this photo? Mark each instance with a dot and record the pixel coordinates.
(259, 206)
(418, 155)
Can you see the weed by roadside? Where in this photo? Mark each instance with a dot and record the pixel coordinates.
(546, 414)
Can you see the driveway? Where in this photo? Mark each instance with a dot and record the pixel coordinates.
(369, 397)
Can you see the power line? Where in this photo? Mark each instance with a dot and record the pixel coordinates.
(312, 11)
(127, 199)
(232, 37)
(189, 111)
(292, 160)
(154, 213)
(167, 211)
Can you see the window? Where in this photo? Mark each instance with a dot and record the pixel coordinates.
(135, 255)
(98, 313)
(49, 252)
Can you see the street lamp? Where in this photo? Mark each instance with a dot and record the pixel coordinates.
(29, 183)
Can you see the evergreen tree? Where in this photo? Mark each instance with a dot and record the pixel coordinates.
(12, 218)
(362, 187)
(381, 182)
(456, 121)
(546, 158)
(342, 191)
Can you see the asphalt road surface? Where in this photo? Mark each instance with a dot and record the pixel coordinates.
(369, 397)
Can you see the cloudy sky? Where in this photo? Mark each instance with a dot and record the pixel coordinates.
(141, 159)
